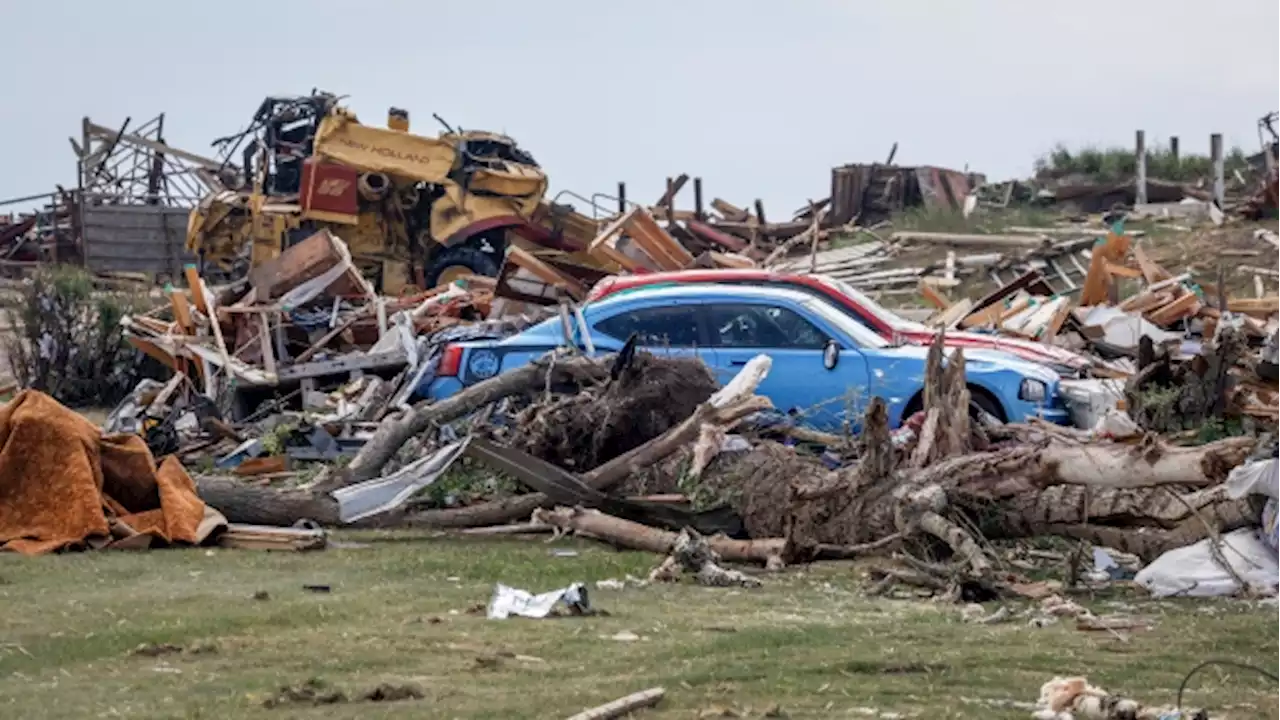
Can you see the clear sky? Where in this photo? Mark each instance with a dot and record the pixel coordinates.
(759, 98)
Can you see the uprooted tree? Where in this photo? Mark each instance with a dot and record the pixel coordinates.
(933, 502)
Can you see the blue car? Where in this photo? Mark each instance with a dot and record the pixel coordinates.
(826, 367)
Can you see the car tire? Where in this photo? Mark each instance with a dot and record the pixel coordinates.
(981, 403)
(461, 257)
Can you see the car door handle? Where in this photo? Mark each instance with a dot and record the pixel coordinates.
(738, 362)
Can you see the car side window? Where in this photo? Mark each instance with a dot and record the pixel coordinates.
(762, 326)
(665, 327)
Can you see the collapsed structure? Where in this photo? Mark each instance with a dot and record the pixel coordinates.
(330, 269)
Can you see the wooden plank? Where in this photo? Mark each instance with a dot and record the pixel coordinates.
(1146, 301)
(673, 188)
(666, 252)
(1123, 271)
(263, 465)
(729, 211)
(710, 233)
(1025, 281)
(728, 260)
(346, 363)
(934, 297)
(155, 351)
(193, 282)
(264, 341)
(1252, 306)
(949, 318)
(1097, 280)
(1014, 241)
(547, 274)
(182, 311)
(986, 317)
(1055, 323)
(1184, 306)
(1018, 305)
(297, 264)
(602, 246)
(1151, 270)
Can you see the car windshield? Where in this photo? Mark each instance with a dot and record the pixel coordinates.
(889, 317)
(863, 336)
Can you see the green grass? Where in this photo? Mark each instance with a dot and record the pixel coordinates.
(1119, 163)
(808, 642)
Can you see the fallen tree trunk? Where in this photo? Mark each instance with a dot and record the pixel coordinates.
(1147, 465)
(254, 505)
(393, 433)
(634, 536)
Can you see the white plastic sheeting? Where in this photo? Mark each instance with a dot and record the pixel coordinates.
(1191, 571)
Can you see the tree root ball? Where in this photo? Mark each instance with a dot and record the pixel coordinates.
(582, 431)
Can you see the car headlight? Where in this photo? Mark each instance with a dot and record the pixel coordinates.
(1032, 390)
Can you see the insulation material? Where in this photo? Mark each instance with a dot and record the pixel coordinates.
(1260, 477)
(1191, 571)
(1124, 329)
(64, 485)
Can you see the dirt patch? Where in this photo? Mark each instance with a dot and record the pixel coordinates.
(318, 692)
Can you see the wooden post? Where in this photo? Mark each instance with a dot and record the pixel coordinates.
(1219, 169)
(760, 211)
(697, 199)
(1173, 150)
(670, 197)
(1140, 177)
(622, 198)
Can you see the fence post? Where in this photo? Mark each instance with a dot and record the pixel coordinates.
(1140, 177)
(1219, 169)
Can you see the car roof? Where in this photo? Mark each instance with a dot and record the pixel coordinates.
(708, 291)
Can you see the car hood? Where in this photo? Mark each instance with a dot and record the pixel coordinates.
(1030, 348)
(978, 359)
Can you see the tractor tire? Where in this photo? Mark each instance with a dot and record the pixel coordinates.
(465, 258)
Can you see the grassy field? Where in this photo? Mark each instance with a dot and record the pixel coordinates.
(409, 610)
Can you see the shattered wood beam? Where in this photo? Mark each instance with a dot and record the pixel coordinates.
(729, 210)
(673, 188)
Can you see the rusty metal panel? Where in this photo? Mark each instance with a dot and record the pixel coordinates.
(135, 238)
(941, 188)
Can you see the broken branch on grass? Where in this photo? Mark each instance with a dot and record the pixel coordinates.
(635, 536)
(623, 705)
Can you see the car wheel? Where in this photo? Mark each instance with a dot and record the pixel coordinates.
(980, 403)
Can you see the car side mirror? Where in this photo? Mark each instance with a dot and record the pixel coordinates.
(830, 355)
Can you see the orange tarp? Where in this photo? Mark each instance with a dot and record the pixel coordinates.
(65, 485)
